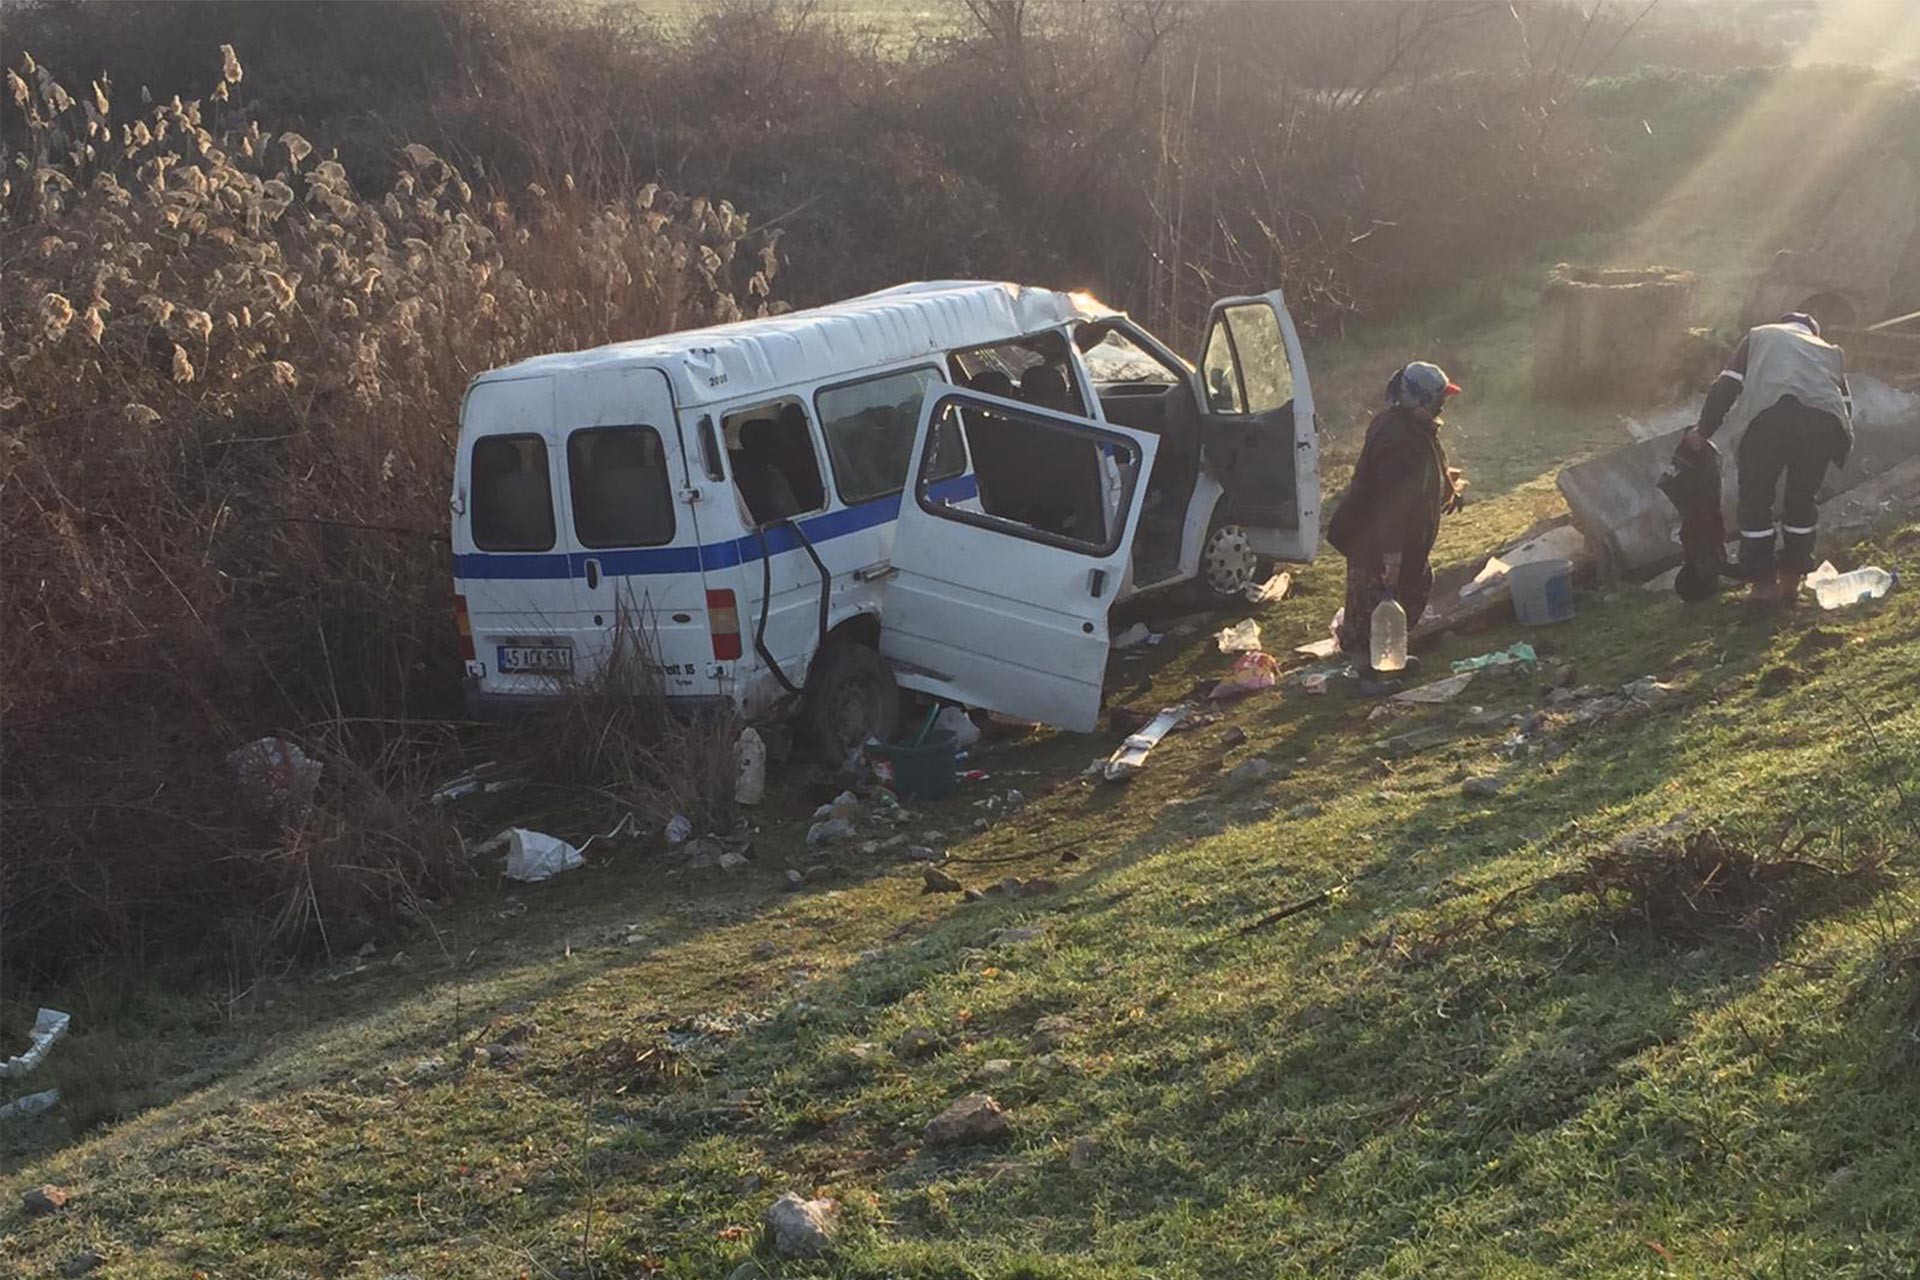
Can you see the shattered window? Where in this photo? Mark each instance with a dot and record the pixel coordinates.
(1265, 377)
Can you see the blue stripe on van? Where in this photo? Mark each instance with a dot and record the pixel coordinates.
(724, 554)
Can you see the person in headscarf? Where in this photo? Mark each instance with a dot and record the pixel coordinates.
(1387, 523)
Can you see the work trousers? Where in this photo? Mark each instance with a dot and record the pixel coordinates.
(1368, 584)
(1787, 442)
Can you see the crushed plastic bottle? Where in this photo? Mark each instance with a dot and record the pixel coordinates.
(1838, 590)
(1389, 636)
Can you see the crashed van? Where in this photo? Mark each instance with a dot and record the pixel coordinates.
(941, 488)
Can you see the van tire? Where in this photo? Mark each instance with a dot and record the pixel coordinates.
(1228, 565)
(851, 696)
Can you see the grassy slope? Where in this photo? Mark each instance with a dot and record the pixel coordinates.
(1514, 1085)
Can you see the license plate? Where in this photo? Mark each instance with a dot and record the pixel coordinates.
(540, 659)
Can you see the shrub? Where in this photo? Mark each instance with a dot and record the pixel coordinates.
(230, 390)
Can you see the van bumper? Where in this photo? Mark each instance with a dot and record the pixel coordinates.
(484, 705)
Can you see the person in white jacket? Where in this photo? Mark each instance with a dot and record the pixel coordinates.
(1787, 387)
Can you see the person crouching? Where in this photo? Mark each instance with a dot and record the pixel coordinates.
(1387, 523)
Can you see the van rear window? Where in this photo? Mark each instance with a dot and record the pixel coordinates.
(622, 496)
(512, 502)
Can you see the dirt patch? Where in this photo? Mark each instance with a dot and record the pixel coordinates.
(1778, 680)
(1698, 887)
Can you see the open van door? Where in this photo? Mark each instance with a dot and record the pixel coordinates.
(1001, 602)
(1257, 427)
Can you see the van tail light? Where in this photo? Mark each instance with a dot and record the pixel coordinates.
(464, 625)
(723, 620)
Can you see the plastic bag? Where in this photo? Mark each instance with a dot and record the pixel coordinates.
(679, 829)
(1241, 637)
(1252, 672)
(751, 752)
(534, 856)
(956, 721)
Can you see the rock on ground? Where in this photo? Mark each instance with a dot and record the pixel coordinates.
(43, 1200)
(797, 1228)
(1482, 788)
(974, 1119)
(938, 881)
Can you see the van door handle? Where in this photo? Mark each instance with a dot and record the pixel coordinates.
(593, 574)
(1096, 582)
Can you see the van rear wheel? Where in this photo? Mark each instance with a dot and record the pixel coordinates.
(851, 697)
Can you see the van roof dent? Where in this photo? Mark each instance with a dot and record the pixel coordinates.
(749, 357)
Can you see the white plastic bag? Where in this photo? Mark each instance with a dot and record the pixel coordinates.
(679, 829)
(751, 751)
(956, 721)
(1241, 637)
(48, 1025)
(533, 856)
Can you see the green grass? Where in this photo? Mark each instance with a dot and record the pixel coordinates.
(1458, 1067)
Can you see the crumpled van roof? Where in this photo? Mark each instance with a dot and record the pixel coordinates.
(748, 357)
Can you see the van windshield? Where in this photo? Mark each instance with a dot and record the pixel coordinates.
(622, 495)
(512, 494)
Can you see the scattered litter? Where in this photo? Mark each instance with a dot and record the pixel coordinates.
(1241, 637)
(1272, 591)
(32, 1105)
(1316, 683)
(956, 721)
(1131, 756)
(1320, 650)
(1136, 635)
(1838, 590)
(975, 775)
(751, 752)
(1252, 672)
(1519, 657)
(275, 776)
(48, 1026)
(1439, 691)
(679, 829)
(1563, 543)
(533, 856)
(483, 777)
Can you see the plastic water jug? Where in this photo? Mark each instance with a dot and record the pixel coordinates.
(1836, 591)
(1389, 636)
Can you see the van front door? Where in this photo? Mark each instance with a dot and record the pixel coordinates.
(1257, 428)
(1002, 603)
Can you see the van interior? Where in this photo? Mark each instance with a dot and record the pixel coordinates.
(1142, 389)
(1031, 475)
(776, 471)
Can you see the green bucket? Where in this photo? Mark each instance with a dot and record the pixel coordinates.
(923, 772)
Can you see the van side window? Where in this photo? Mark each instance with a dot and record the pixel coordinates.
(621, 493)
(775, 468)
(1038, 479)
(870, 425)
(512, 495)
(1035, 369)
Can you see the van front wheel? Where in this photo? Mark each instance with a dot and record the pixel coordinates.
(851, 697)
(1228, 565)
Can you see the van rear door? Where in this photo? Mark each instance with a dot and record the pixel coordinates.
(1257, 428)
(634, 546)
(509, 562)
(1002, 603)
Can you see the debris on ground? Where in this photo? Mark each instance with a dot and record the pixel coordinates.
(1517, 657)
(1252, 673)
(1319, 650)
(48, 1026)
(1241, 637)
(1316, 682)
(751, 753)
(1445, 690)
(482, 778)
(533, 856)
(1136, 635)
(1272, 591)
(956, 721)
(1491, 584)
(32, 1104)
(1131, 756)
(275, 777)
(934, 880)
(1689, 887)
(973, 1119)
(1836, 590)
(41, 1201)
(798, 1228)
(679, 829)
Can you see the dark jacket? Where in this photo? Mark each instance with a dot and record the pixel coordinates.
(1399, 488)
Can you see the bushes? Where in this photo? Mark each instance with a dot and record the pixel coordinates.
(231, 387)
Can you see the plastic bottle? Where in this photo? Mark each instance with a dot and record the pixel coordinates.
(1389, 636)
(1839, 590)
